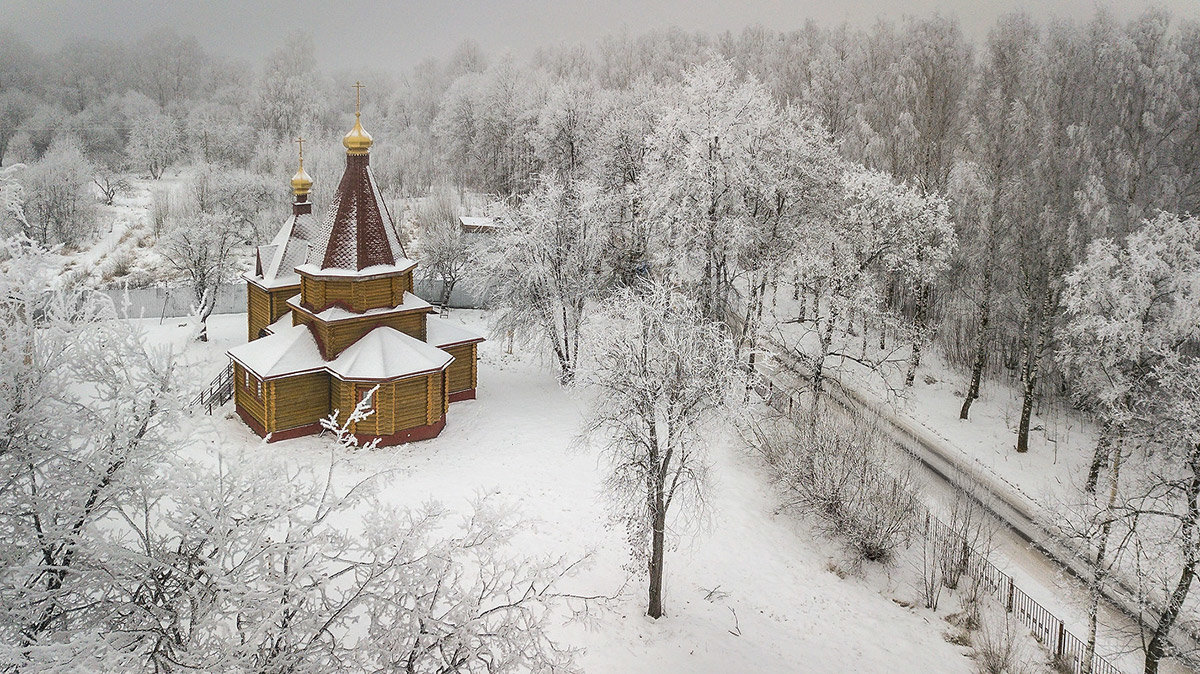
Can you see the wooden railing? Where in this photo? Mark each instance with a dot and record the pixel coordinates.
(218, 392)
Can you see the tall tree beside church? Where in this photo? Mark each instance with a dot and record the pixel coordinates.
(662, 367)
(546, 269)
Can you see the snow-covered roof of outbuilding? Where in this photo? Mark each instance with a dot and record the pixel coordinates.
(290, 350)
(441, 333)
(478, 224)
(386, 353)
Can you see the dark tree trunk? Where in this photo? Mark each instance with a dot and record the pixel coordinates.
(1033, 362)
(914, 359)
(985, 314)
(655, 609)
(1099, 457)
(1156, 648)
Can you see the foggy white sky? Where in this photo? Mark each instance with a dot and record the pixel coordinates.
(399, 34)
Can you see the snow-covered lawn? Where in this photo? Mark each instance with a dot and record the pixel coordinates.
(751, 591)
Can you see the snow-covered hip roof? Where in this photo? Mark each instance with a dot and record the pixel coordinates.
(386, 353)
(358, 232)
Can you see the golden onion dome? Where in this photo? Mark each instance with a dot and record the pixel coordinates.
(301, 182)
(358, 141)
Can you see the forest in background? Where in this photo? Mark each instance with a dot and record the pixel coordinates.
(1043, 139)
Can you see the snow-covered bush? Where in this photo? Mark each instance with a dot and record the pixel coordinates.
(841, 472)
(59, 205)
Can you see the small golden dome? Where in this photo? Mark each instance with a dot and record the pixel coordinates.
(358, 141)
(301, 182)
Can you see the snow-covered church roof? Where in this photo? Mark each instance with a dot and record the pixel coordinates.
(358, 233)
(288, 351)
(442, 334)
(387, 353)
(277, 261)
(382, 354)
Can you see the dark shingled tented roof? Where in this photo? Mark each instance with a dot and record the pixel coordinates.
(357, 232)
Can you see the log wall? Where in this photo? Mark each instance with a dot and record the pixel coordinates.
(246, 397)
(399, 406)
(462, 373)
(264, 307)
(335, 337)
(297, 401)
(318, 293)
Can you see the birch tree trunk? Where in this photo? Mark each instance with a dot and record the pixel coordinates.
(1033, 362)
(1098, 564)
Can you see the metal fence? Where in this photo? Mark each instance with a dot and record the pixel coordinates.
(165, 301)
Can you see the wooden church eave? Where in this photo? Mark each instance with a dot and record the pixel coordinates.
(338, 311)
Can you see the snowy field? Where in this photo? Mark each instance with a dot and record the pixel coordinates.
(751, 591)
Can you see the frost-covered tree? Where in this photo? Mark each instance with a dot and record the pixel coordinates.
(200, 246)
(12, 201)
(446, 253)
(998, 145)
(565, 133)
(59, 206)
(904, 234)
(1130, 338)
(82, 403)
(288, 98)
(154, 143)
(1167, 497)
(800, 190)
(707, 150)
(251, 566)
(546, 268)
(661, 369)
(15, 106)
(618, 163)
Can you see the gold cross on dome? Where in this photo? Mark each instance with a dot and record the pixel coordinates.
(357, 90)
(300, 140)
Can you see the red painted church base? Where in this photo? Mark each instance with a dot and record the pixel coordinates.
(408, 435)
(468, 394)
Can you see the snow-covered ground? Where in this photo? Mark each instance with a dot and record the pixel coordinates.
(1060, 441)
(751, 591)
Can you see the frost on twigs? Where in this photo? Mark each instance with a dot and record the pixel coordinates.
(839, 472)
(344, 431)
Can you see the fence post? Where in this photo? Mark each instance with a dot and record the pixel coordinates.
(1061, 641)
(1008, 605)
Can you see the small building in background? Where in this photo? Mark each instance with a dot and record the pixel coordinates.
(480, 225)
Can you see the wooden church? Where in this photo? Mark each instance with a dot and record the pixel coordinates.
(332, 315)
